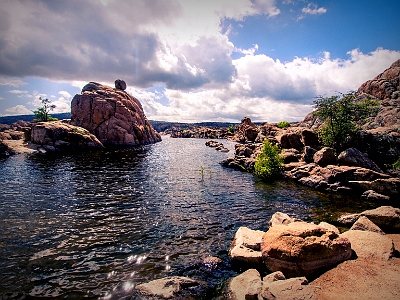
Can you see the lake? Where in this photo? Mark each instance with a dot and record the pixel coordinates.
(95, 224)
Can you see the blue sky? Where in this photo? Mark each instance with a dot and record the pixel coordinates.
(189, 60)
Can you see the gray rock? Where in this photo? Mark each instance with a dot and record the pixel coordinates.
(386, 217)
(325, 156)
(293, 288)
(348, 219)
(354, 157)
(278, 275)
(120, 84)
(374, 196)
(245, 247)
(280, 218)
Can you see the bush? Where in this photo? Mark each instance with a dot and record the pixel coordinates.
(231, 129)
(283, 124)
(340, 114)
(396, 165)
(269, 163)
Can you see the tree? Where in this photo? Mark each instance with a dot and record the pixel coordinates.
(42, 113)
(269, 163)
(341, 114)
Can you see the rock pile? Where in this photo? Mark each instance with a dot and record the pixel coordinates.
(217, 145)
(112, 115)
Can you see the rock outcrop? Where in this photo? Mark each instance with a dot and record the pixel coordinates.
(62, 136)
(112, 115)
(245, 247)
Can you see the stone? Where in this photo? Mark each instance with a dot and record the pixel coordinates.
(120, 85)
(293, 288)
(385, 186)
(63, 136)
(325, 156)
(278, 275)
(354, 157)
(245, 286)
(330, 227)
(112, 115)
(290, 155)
(385, 217)
(374, 196)
(245, 247)
(301, 249)
(247, 131)
(291, 140)
(348, 219)
(365, 224)
(309, 154)
(370, 245)
(175, 287)
(310, 138)
(280, 218)
(212, 262)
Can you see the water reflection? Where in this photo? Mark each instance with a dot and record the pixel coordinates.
(95, 224)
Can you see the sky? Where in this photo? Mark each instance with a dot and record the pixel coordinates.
(195, 60)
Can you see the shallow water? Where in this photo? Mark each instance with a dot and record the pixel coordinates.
(96, 224)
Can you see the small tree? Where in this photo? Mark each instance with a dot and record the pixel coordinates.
(269, 163)
(283, 124)
(340, 114)
(231, 129)
(42, 113)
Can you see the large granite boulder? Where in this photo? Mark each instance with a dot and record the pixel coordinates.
(386, 217)
(245, 286)
(63, 136)
(325, 156)
(365, 224)
(354, 157)
(247, 131)
(301, 249)
(112, 115)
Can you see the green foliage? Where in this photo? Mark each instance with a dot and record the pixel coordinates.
(340, 114)
(283, 124)
(396, 165)
(42, 113)
(269, 163)
(231, 129)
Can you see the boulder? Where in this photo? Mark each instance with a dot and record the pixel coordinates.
(278, 275)
(384, 186)
(348, 219)
(301, 249)
(245, 247)
(291, 140)
(5, 150)
(330, 227)
(354, 157)
(374, 196)
(120, 85)
(386, 217)
(62, 136)
(309, 154)
(309, 138)
(290, 155)
(293, 288)
(247, 131)
(280, 218)
(112, 115)
(245, 286)
(325, 156)
(172, 287)
(370, 245)
(365, 224)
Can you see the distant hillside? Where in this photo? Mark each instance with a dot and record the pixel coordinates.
(29, 118)
(158, 125)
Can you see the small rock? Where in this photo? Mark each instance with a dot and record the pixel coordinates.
(293, 288)
(330, 227)
(280, 218)
(245, 286)
(278, 275)
(245, 247)
(374, 196)
(211, 262)
(386, 217)
(348, 219)
(365, 224)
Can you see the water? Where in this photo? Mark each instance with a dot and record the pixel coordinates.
(95, 224)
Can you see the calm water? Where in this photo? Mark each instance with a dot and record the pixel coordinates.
(96, 224)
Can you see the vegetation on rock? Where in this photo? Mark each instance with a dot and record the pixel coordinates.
(269, 163)
(42, 113)
(341, 114)
(283, 124)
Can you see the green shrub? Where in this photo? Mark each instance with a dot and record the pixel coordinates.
(283, 124)
(396, 165)
(269, 163)
(231, 129)
(341, 115)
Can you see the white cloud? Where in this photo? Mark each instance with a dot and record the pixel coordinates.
(18, 110)
(18, 92)
(1, 98)
(11, 82)
(313, 9)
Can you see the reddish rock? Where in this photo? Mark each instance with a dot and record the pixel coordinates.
(365, 224)
(245, 286)
(112, 115)
(300, 249)
(325, 156)
(354, 157)
(309, 138)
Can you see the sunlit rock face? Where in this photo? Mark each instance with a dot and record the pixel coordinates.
(112, 115)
